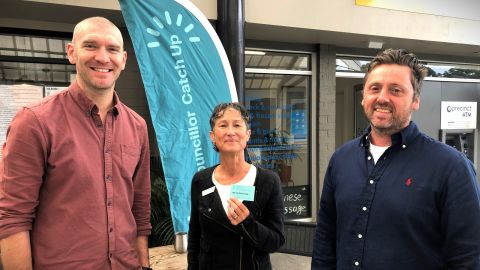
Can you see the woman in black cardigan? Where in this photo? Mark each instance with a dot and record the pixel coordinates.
(225, 232)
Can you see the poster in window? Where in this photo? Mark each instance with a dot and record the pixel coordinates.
(296, 202)
(298, 120)
(52, 90)
(12, 98)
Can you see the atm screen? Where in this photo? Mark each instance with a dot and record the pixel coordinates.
(454, 141)
(463, 142)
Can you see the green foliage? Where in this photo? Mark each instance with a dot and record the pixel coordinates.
(162, 225)
(431, 72)
(462, 73)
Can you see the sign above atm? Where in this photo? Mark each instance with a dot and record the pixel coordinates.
(459, 115)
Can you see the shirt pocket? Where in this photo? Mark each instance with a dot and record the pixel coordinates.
(419, 202)
(130, 158)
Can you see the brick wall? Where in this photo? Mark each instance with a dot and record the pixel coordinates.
(327, 100)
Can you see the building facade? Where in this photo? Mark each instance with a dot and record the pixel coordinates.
(303, 71)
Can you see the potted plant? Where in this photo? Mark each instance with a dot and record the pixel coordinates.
(160, 217)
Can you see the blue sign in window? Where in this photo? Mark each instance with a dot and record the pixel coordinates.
(298, 124)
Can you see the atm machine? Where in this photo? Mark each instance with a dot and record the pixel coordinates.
(458, 127)
(463, 140)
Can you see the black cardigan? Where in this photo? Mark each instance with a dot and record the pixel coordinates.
(214, 243)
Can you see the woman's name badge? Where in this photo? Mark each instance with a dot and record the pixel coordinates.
(208, 191)
(245, 193)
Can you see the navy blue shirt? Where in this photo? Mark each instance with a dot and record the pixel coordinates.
(418, 207)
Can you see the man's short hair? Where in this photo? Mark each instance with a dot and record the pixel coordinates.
(403, 58)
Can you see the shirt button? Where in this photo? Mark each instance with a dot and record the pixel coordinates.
(369, 157)
(111, 255)
(108, 177)
(404, 146)
(372, 182)
(109, 203)
(359, 236)
(356, 263)
(364, 208)
(111, 229)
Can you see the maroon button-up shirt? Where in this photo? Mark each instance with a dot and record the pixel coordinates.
(81, 187)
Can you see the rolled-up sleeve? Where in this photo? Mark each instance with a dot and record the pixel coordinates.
(142, 192)
(21, 172)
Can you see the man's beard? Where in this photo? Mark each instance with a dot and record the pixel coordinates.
(396, 123)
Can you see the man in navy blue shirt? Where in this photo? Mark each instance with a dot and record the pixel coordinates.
(395, 198)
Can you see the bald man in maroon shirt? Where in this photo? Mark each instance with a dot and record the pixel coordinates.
(74, 179)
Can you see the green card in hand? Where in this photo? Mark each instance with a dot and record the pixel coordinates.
(243, 193)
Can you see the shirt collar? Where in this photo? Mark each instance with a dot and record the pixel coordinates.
(116, 104)
(403, 137)
(86, 104)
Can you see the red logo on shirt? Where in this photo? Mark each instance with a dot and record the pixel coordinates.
(408, 182)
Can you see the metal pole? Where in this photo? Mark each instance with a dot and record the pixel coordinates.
(231, 30)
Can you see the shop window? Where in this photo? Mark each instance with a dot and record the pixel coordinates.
(277, 60)
(32, 46)
(36, 73)
(460, 71)
(277, 95)
(349, 64)
(31, 67)
(34, 59)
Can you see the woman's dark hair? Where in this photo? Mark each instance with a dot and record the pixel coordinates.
(220, 109)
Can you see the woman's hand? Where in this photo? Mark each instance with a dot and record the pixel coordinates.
(237, 211)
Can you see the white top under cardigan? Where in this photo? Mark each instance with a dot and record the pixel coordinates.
(224, 190)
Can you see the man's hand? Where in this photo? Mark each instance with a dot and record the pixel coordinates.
(16, 252)
(141, 246)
